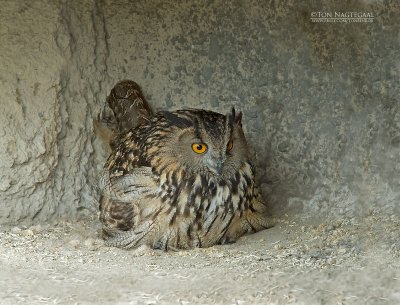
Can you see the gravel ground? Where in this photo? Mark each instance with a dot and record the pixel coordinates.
(295, 262)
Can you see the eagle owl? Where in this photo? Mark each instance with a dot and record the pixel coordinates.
(176, 180)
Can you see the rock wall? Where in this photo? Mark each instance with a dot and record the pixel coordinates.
(321, 101)
(53, 67)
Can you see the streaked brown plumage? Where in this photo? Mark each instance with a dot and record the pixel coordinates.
(178, 180)
(126, 109)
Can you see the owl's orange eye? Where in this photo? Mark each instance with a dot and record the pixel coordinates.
(229, 146)
(199, 148)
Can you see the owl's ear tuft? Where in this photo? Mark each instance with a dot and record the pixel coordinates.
(233, 118)
(233, 112)
(238, 118)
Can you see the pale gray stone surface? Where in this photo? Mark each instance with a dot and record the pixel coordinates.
(321, 102)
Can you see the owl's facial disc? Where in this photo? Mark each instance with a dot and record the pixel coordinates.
(212, 154)
(209, 156)
(206, 142)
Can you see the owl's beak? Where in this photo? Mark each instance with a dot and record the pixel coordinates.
(216, 166)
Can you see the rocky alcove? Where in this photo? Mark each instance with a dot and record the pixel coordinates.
(321, 109)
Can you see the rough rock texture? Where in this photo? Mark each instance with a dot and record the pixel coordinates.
(321, 102)
(52, 69)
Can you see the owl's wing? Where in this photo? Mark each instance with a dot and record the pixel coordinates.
(134, 185)
(119, 205)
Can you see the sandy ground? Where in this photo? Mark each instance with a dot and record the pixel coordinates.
(295, 262)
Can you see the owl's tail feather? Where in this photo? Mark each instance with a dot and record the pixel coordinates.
(126, 108)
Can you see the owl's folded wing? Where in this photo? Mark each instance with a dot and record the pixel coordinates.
(132, 186)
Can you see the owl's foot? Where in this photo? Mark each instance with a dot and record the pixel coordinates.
(250, 222)
(256, 222)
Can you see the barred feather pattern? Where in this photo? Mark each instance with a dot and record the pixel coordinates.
(152, 195)
(125, 109)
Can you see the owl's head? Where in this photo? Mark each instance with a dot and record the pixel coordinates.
(203, 142)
